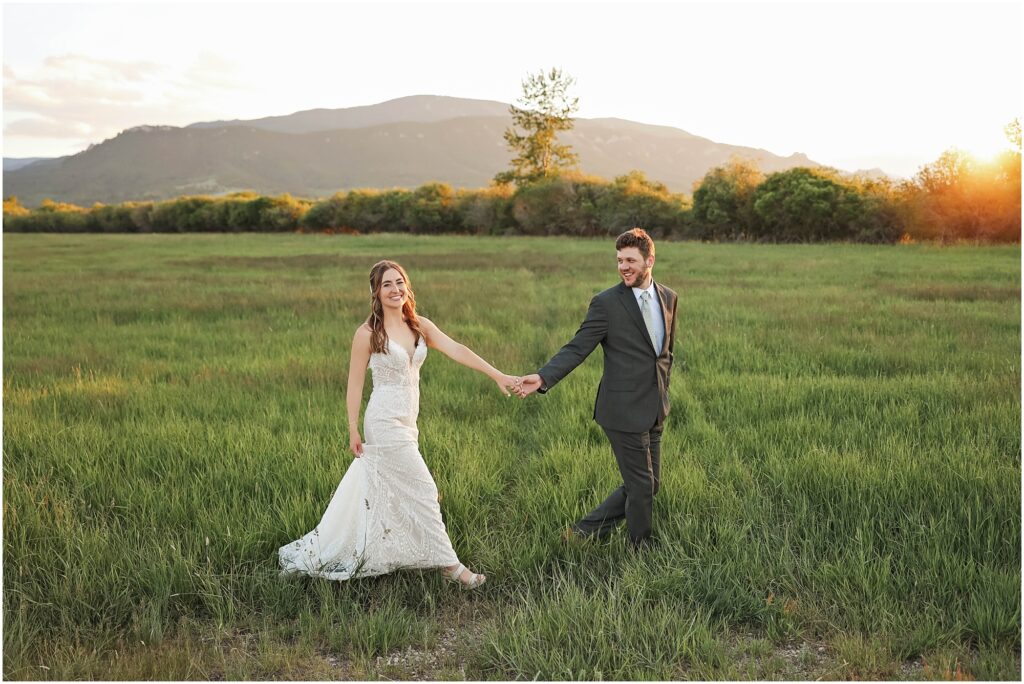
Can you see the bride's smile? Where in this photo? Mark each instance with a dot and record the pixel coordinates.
(392, 292)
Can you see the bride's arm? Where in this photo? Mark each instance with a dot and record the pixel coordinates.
(356, 376)
(464, 355)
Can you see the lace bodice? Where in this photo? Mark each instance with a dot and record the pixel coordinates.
(397, 369)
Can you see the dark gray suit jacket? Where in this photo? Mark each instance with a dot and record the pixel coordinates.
(633, 395)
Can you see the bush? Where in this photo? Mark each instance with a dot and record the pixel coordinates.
(952, 199)
(487, 211)
(957, 198)
(360, 210)
(723, 202)
(117, 218)
(431, 209)
(815, 205)
(632, 200)
(50, 217)
(557, 205)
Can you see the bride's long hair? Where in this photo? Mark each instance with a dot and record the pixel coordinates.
(378, 335)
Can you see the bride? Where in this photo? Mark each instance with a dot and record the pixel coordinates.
(385, 513)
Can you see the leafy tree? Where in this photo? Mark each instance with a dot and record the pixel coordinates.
(431, 209)
(324, 214)
(115, 218)
(945, 173)
(12, 208)
(1008, 163)
(486, 211)
(546, 109)
(956, 197)
(816, 205)
(879, 216)
(634, 200)
(1012, 131)
(377, 210)
(558, 205)
(50, 217)
(1008, 173)
(723, 201)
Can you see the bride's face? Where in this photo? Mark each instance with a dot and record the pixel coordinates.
(392, 290)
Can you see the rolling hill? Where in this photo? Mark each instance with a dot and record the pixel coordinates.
(315, 153)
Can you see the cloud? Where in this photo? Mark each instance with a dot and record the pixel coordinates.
(57, 95)
(75, 96)
(47, 128)
(90, 67)
(67, 82)
(211, 70)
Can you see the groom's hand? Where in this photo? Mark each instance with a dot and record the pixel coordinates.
(530, 384)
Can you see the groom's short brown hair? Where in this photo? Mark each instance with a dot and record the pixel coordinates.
(636, 237)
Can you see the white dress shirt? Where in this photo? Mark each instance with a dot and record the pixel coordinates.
(656, 317)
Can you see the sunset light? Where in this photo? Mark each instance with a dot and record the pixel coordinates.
(982, 145)
(482, 340)
(854, 86)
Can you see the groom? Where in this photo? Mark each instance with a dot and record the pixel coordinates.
(634, 322)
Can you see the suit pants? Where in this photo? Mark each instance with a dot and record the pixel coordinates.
(639, 459)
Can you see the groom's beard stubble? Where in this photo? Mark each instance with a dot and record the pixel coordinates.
(638, 279)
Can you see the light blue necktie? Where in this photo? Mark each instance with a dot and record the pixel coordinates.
(645, 310)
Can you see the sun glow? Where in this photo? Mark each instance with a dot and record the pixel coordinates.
(985, 145)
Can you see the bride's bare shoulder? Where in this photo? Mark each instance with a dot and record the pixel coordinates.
(363, 333)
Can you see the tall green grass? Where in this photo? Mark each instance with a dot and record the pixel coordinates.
(841, 465)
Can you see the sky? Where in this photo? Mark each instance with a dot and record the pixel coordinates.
(852, 85)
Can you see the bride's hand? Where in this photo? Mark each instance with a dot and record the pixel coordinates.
(507, 382)
(355, 443)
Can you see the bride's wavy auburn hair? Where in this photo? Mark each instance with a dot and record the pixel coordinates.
(378, 335)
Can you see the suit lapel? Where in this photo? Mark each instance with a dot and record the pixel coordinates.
(664, 316)
(628, 300)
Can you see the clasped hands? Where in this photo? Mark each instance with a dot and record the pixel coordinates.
(521, 386)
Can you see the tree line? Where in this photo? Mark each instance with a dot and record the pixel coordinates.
(568, 204)
(953, 199)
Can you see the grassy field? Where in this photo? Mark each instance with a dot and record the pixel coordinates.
(841, 467)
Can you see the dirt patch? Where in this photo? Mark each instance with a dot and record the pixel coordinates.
(426, 664)
(799, 660)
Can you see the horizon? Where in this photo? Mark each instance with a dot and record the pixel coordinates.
(858, 108)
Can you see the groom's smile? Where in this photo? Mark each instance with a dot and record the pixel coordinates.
(633, 268)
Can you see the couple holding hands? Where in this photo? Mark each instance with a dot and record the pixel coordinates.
(385, 513)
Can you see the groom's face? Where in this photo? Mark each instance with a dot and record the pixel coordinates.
(633, 268)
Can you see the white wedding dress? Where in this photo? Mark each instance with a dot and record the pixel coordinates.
(385, 513)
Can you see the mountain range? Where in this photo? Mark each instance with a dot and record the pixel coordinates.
(404, 142)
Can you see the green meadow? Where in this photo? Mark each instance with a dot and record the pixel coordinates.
(841, 469)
